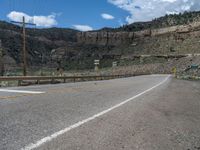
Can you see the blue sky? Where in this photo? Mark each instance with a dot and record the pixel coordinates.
(91, 14)
(68, 12)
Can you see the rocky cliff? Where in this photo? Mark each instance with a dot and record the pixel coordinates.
(105, 38)
(127, 38)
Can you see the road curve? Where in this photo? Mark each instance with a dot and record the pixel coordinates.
(146, 112)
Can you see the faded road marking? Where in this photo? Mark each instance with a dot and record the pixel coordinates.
(51, 91)
(14, 97)
(21, 91)
(61, 132)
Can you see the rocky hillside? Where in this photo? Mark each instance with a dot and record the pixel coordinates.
(39, 41)
(71, 49)
(180, 39)
(127, 38)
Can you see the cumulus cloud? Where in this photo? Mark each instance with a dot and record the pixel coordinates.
(107, 16)
(145, 10)
(83, 27)
(40, 21)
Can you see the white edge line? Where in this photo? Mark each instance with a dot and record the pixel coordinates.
(21, 91)
(61, 132)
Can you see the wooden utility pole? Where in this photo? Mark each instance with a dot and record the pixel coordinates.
(1, 60)
(24, 48)
(23, 23)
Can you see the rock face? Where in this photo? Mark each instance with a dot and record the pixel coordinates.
(124, 38)
(105, 38)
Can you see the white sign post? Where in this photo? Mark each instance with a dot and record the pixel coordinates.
(96, 64)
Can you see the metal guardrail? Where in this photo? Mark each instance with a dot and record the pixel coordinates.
(53, 79)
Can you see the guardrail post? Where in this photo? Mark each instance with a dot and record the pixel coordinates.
(52, 80)
(19, 82)
(38, 81)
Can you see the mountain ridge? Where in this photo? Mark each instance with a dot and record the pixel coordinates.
(56, 45)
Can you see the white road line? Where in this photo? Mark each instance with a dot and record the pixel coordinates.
(21, 91)
(55, 135)
(158, 75)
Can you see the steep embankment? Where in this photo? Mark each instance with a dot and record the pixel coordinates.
(71, 49)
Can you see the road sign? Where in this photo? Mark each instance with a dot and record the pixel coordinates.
(174, 70)
(96, 62)
(114, 64)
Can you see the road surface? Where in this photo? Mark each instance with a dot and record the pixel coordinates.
(147, 112)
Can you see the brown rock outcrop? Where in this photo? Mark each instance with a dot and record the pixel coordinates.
(105, 38)
(124, 38)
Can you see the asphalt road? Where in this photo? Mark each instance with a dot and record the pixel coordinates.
(146, 112)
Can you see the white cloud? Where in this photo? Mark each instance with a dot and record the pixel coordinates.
(171, 12)
(107, 16)
(40, 21)
(171, 1)
(83, 27)
(150, 9)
